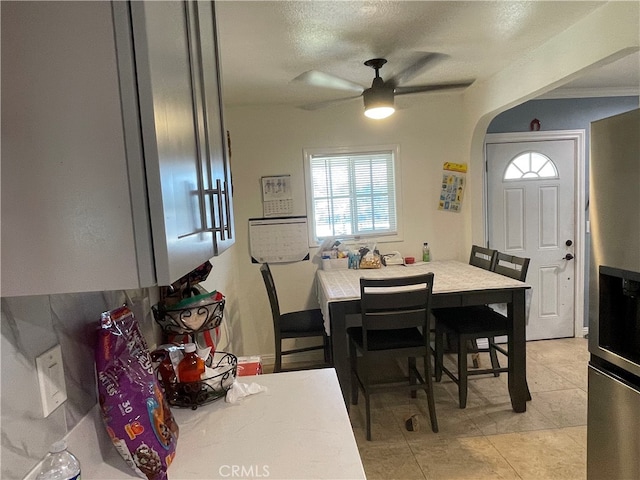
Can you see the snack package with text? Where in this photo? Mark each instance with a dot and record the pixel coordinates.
(135, 412)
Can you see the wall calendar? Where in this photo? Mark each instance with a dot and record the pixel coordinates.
(278, 240)
(277, 197)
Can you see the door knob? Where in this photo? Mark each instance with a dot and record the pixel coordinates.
(568, 256)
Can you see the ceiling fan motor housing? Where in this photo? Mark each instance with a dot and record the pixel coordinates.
(378, 96)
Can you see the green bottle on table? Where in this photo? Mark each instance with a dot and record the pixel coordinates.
(426, 255)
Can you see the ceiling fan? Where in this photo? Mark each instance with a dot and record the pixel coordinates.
(379, 98)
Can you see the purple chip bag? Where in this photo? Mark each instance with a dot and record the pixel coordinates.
(135, 412)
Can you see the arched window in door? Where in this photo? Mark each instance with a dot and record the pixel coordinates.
(530, 165)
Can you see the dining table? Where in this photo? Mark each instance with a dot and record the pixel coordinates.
(456, 284)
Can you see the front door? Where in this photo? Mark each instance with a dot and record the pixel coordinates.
(530, 212)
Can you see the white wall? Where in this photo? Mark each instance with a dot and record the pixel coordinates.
(270, 141)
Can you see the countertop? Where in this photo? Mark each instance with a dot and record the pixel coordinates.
(297, 429)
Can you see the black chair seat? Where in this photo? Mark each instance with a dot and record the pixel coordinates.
(300, 324)
(457, 312)
(308, 322)
(475, 321)
(388, 339)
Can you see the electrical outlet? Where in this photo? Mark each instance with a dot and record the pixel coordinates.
(53, 391)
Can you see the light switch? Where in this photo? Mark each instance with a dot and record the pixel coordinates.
(53, 391)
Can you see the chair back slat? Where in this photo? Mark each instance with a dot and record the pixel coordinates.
(395, 303)
(511, 266)
(382, 300)
(395, 319)
(271, 292)
(483, 257)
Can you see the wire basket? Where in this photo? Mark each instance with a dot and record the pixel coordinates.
(190, 319)
(194, 394)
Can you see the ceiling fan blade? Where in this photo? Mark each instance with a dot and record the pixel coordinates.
(326, 103)
(430, 88)
(326, 80)
(409, 73)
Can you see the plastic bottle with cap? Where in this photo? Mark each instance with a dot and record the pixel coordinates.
(191, 366)
(426, 254)
(59, 464)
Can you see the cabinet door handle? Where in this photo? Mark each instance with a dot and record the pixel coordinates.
(227, 209)
(220, 207)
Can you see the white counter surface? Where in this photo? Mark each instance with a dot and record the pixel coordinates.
(297, 429)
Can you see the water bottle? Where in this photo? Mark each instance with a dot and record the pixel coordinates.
(426, 255)
(60, 464)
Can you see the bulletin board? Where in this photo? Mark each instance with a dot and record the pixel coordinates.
(278, 240)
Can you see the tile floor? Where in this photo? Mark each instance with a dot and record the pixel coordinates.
(487, 440)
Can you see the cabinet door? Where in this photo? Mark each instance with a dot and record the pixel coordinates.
(69, 222)
(216, 172)
(173, 148)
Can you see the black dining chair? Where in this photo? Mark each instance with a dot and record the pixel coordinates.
(472, 323)
(481, 257)
(396, 321)
(300, 324)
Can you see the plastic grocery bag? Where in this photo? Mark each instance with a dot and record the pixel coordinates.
(135, 412)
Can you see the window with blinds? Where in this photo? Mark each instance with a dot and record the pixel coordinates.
(352, 193)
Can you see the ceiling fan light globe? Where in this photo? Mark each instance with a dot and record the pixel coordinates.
(378, 113)
(378, 102)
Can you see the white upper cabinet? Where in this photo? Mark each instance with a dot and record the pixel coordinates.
(115, 170)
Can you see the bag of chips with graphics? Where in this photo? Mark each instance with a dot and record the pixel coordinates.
(135, 412)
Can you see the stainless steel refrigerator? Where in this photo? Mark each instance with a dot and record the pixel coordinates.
(613, 426)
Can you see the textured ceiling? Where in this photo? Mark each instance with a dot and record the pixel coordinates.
(266, 44)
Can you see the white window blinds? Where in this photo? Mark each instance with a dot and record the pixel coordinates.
(353, 194)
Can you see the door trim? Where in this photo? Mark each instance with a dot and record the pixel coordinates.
(578, 137)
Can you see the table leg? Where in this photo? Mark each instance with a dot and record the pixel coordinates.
(340, 348)
(518, 388)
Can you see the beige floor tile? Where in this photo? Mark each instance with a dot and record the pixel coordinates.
(541, 378)
(452, 421)
(384, 428)
(574, 371)
(542, 455)
(558, 350)
(473, 458)
(496, 416)
(565, 408)
(481, 387)
(386, 462)
(578, 434)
